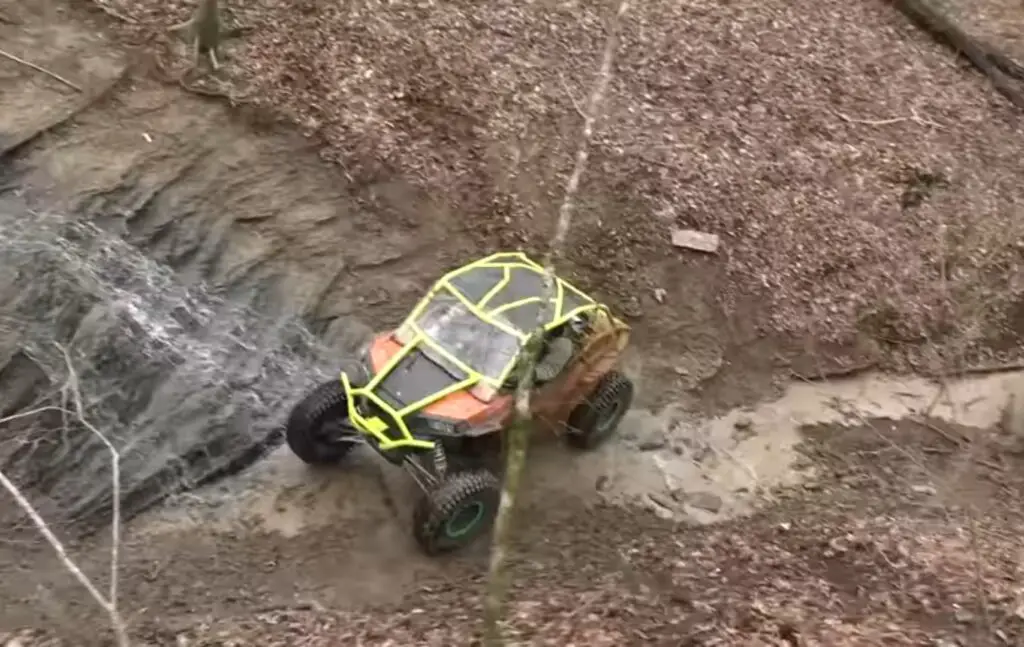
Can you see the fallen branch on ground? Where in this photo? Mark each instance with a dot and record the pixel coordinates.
(518, 435)
(41, 70)
(994, 64)
(71, 395)
(914, 117)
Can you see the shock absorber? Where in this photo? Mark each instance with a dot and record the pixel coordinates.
(440, 460)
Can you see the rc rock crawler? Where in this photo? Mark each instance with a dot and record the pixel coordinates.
(435, 395)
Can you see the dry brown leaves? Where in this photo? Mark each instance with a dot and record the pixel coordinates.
(859, 175)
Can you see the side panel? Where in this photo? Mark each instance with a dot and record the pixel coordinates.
(553, 403)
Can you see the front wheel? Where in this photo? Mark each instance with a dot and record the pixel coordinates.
(596, 418)
(318, 425)
(457, 512)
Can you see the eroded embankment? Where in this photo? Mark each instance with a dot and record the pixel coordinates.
(199, 274)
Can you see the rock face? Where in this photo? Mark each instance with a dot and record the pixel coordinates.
(201, 276)
(187, 385)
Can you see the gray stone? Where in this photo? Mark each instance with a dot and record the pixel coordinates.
(707, 501)
(696, 240)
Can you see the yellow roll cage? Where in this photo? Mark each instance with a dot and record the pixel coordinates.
(505, 261)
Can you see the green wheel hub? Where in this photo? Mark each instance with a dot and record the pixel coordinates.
(465, 519)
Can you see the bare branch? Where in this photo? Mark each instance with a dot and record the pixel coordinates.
(518, 434)
(115, 469)
(71, 391)
(62, 553)
(29, 414)
(40, 69)
(914, 117)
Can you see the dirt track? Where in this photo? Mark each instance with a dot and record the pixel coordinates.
(248, 208)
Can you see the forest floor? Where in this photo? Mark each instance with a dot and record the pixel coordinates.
(863, 182)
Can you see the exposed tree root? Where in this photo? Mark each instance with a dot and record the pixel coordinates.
(1001, 70)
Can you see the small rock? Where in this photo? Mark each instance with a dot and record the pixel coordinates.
(659, 295)
(682, 371)
(652, 444)
(743, 423)
(695, 240)
(923, 489)
(963, 616)
(602, 483)
(633, 309)
(707, 501)
(812, 486)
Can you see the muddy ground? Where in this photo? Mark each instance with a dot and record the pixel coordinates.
(243, 267)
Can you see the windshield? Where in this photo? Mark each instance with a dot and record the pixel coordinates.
(483, 347)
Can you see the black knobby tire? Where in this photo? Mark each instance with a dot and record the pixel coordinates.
(304, 431)
(595, 419)
(469, 500)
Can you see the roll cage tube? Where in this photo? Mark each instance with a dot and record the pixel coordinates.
(376, 426)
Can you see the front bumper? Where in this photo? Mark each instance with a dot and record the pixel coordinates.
(386, 429)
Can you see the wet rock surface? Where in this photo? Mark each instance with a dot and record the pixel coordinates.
(187, 385)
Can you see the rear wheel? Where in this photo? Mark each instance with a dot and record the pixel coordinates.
(596, 418)
(457, 512)
(317, 428)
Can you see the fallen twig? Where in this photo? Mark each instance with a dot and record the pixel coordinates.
(42, 70)
(958, 441)
(75, 395)
(108, 603)
(914, 117)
